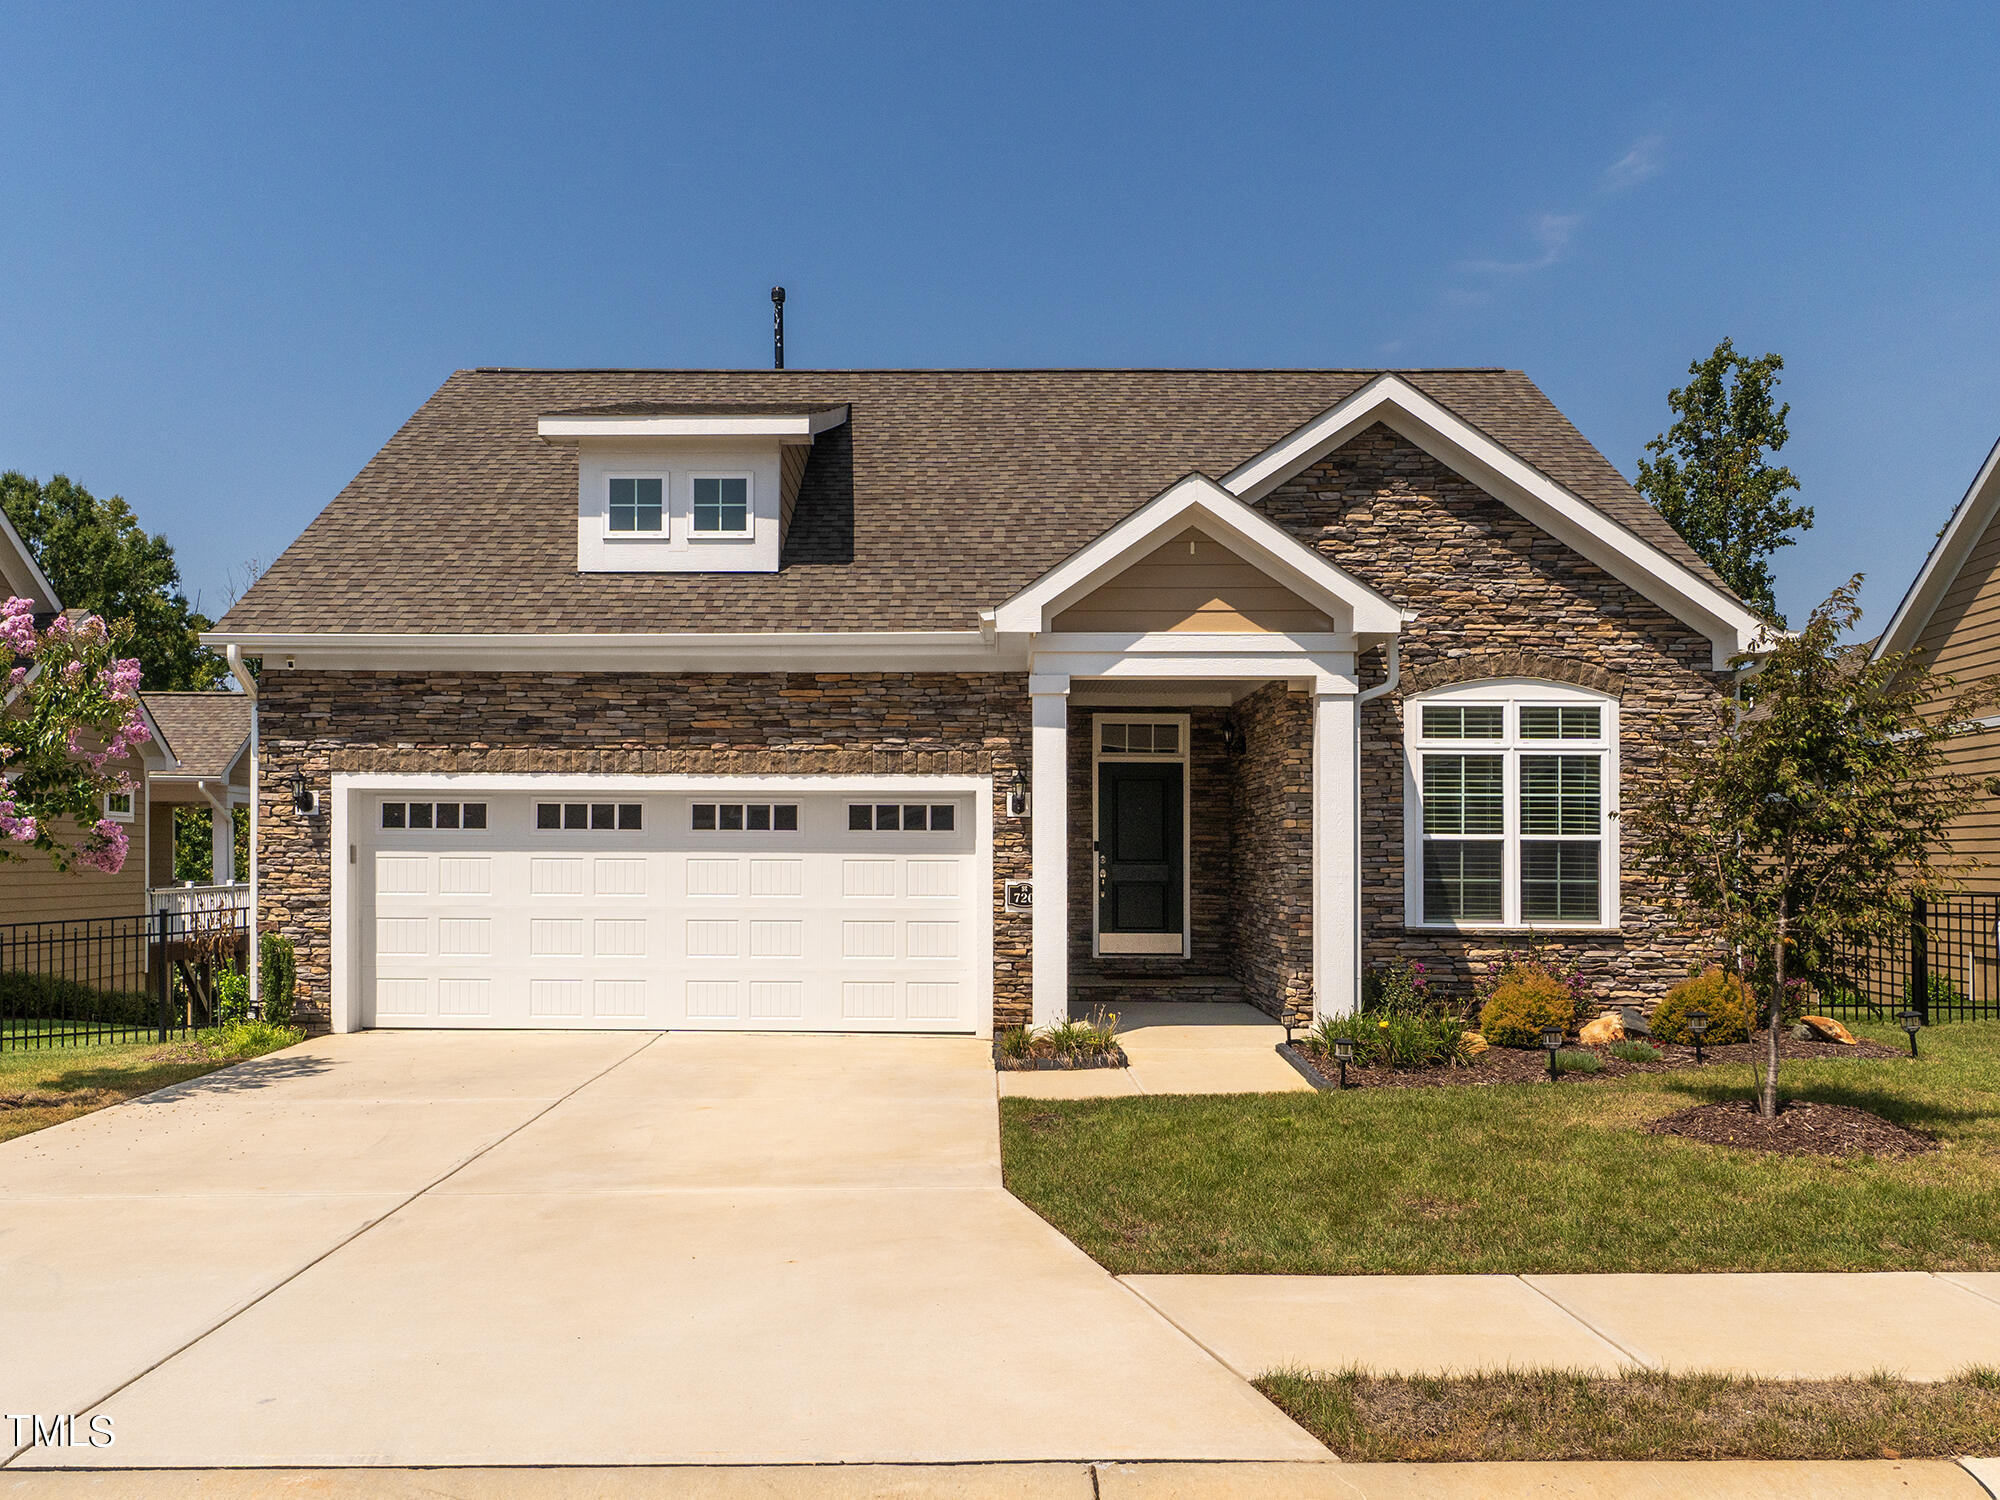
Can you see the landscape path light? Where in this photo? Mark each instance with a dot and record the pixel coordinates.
(1552, 1038)
(1912, 1020)
(1698, 1025)
(1343, 1051)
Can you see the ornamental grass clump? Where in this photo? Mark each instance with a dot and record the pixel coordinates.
(1527, 997)
(1731, 1010)
(1394, 1041)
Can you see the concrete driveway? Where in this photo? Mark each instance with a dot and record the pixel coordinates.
(543, 1248)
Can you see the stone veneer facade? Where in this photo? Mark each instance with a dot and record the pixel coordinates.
(845, 723)
(1495, 596)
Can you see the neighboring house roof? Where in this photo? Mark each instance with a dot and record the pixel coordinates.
(945, 492)
(1946, 559)
(20, 576)
(205, 732)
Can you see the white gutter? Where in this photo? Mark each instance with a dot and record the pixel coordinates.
(769, 651)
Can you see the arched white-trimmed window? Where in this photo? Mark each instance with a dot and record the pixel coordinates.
(1510, 795)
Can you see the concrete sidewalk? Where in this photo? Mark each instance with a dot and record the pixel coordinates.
(1178, 1047)
(1911, 1479)
(1776, 1325)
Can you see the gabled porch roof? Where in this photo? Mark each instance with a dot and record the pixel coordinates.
(1201, 503)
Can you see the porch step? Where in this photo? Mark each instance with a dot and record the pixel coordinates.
(1112, 993)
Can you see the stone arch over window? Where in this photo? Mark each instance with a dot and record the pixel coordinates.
(1481, 666)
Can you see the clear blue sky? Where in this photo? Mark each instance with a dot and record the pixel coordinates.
(244, 243)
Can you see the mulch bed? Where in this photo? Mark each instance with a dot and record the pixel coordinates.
(1801, 1128)
(1518, 1065)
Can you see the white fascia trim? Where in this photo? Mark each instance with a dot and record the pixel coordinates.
(1968, 523)
(754, 651)
(44, 591)
(797, 427)
(159, 745)
(1731, 628)
(1195, 500)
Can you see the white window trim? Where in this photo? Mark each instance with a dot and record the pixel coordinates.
(1512, 693)
(749, 530)
(654, 538)
(1125, 945)
(131, 813)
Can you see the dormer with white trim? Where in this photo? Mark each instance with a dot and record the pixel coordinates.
(665, 488)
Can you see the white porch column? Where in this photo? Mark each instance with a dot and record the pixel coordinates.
(1336, 885)
(1048, 818)
(222, 843)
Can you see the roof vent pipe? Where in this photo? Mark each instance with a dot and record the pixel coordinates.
(777, 328)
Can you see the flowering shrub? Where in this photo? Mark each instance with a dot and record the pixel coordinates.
(72, 710)
(1565, 971)
(1732, 1013)
(1526, 998)
(1402, 988)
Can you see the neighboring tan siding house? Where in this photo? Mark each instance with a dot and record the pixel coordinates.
(1951, 615)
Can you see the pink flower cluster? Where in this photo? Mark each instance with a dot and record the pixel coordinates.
(13, 826)
(106, 849)
(17, 626)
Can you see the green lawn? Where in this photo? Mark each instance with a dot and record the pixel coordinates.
(1520, 1178)
(43, 1087)
(1561, 1415)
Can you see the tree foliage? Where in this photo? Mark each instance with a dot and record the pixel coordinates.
(99, 558)
(1820, 815)
(1711, 478)
(71, 711)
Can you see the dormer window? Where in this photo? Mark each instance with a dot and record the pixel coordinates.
(637, 505)
(677, 487)
(721, 504)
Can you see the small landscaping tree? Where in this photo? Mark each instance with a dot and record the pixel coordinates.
(71, 711)
(1819, 815)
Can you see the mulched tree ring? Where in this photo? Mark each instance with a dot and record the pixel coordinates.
(1802, 1128)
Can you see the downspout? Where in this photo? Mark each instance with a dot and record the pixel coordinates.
(1387, 685)
(234, 655)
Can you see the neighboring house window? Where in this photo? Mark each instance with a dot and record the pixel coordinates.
(638, 505)
(906, 817)
(118, 807)
(1512, 807)
(432, 815)
(623, 817)
(721, 504)
(744, 817)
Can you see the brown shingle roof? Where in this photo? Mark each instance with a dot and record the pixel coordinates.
(204, 730)
(945, 492)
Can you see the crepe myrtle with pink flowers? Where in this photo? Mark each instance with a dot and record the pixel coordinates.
(71, 711)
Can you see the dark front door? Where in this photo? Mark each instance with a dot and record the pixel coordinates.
(1138, 847)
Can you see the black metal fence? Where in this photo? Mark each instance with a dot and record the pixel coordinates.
(114, 979)
(1945, 966)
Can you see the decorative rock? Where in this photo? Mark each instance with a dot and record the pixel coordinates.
(1635, 1021)
(1474, 1043)
(1606, 1029)
(1828, 1030)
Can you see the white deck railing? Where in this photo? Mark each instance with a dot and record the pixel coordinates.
(198, 900)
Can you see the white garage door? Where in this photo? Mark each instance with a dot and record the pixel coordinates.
(729, 910)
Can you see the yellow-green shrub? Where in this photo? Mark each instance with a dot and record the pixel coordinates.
(1732, 1013)
(1526, 998)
